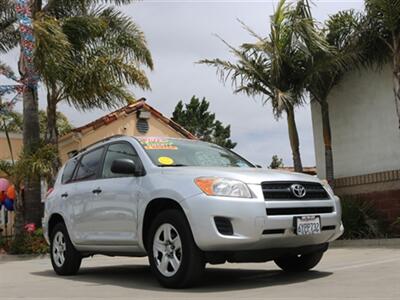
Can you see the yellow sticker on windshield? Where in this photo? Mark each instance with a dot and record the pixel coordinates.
(165, 160)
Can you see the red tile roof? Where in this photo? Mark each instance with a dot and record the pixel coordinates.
(133, 108)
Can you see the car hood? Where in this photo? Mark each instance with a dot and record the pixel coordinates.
(247, 175)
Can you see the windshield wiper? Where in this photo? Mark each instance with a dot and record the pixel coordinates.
(177, 165)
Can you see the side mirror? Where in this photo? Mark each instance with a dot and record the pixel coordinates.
(124, 166)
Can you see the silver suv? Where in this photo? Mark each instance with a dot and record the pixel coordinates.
(185, 203)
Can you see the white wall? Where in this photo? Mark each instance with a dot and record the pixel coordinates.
(365, 128)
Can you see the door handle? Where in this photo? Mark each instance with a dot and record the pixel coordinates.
(65, 195)
(97, 191)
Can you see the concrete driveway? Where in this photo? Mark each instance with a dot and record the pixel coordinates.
(358, 273)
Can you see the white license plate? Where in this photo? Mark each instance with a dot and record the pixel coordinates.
(307, 225)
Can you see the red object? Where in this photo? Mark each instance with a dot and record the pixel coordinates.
(49, 191)
(2, 196)
(4, 184)
(31, 227)
(11, 192)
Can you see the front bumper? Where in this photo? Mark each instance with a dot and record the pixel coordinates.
(253, 229)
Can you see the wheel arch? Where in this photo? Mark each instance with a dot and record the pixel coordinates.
(153, 208)
(54, 219)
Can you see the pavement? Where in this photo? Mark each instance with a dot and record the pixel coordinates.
(344, 273)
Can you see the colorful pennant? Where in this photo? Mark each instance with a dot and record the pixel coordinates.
(27, 44)
(24, 14)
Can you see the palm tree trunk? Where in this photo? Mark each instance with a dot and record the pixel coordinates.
(8, 141)
(51, 130)
(294, 140)
(19, 215)
(326, 130)
(31, 139)
(396, 81)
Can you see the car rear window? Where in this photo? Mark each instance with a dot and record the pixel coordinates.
(68, 171)
(89, 165)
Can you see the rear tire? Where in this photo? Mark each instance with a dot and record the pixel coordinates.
(64, 257)
(299, 263)
(174, 257)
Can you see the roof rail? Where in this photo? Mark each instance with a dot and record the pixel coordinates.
(99, 142)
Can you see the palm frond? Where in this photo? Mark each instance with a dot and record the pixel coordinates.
(8, 28)
(342, 32)
(6, 70)
(105, 53)
(52, 48)
(65, 8)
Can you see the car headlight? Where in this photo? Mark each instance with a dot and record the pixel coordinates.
(327, 187)
(214, 186)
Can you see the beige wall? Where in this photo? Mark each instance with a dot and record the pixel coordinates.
(16, 143)
(365, 130)
(124, 125)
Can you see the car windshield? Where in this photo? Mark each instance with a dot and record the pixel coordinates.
(171, 152)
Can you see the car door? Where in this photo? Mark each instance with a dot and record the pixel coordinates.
(83, 206)
(115, 216)
(65, 191)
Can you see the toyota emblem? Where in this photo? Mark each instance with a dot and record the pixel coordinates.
(298, 190)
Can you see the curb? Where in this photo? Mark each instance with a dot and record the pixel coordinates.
(21, 257)
(378, 243)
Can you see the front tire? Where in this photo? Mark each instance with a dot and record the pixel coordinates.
(64, 257)
(299, 263)
(174, 257)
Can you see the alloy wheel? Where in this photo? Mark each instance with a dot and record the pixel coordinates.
(167, 250)
(59, 249)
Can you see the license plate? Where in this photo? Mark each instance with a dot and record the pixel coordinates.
(307, 225)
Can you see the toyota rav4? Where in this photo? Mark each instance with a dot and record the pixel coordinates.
(185, 203)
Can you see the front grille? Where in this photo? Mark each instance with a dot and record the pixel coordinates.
(281, 191)
(223, 225)
(299, 210)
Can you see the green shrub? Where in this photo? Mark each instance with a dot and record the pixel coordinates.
(29, 243)
(2, 242)
(360, 220)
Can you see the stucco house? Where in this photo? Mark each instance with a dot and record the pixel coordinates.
(138, 119)
(365, 139)
(16, 145)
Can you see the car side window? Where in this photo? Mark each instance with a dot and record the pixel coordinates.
(69, 171)
(89, 165)
(118, 151)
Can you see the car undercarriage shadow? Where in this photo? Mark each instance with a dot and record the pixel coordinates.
(218, 279)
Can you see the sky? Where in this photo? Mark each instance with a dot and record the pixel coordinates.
(180, 33)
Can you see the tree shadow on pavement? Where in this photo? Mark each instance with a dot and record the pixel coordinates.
(215, 279)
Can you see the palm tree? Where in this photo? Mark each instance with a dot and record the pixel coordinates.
(102, 51)
(381, 39)
(274, 67)
(327, 67)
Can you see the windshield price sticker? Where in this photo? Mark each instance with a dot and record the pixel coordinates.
(157, 144)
